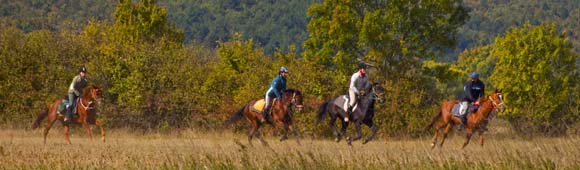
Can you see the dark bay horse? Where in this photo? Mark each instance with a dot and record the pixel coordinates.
(86, 114)
(362, 114)
(281, 115)
(476, 122)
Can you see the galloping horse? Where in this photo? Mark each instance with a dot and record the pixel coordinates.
(476, 122)
(86, 114)
(281, 115)
(362, 113)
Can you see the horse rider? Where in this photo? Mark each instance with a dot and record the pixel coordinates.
(75, 90)
(473, 90)
(276, 87)
(359, 82)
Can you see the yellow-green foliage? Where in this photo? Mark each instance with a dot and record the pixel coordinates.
(153, 81)
(536, 69)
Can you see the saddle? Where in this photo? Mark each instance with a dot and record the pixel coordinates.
(61, 108)
(342, 102)
(260, 104)
(455, 111)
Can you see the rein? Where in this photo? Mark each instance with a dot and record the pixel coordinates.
(375, 96)
(293, 101)
(494, 106)
(89, 106)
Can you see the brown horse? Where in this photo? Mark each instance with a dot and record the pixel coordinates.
(281, 115)
(86, 114)
(476, 122)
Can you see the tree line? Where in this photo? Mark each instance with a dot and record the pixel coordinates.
(155, 80)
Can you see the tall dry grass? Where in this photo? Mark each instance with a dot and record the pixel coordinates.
(21, 149)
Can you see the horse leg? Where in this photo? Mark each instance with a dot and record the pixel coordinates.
(435, 135)
(295, 131)
(285, 135)
(98, 124)
(481, 138)
(343, 132)
(334, 130)
(374, 130)
(469, 133)
(445, 133)
(251, 133)
(358, 127)
(67, 133)
(47, 128)
(88, 132)
(259, 135)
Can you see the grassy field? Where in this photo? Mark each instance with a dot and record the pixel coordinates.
(21, 149)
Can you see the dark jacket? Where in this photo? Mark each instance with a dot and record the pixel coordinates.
(473, 90)
(77, 85)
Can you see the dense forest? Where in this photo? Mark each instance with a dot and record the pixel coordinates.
(279, 24)
(190, 63)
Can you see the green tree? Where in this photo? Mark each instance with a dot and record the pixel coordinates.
(536, 70)
(397, 36)
(392, 33)
(144, 21)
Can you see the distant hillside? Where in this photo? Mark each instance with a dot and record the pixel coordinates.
(273, 24)
(279, 24)
(490, 18)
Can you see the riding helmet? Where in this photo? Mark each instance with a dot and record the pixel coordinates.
(283, 70)
(474, 75)
(83, 69)
(362, 66)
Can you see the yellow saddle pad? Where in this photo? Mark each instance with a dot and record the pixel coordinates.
(259, 105)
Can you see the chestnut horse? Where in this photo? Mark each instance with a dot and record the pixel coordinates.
(281, 115)
(476, 122)
(86, 114)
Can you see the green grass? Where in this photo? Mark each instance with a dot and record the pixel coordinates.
(21, 149)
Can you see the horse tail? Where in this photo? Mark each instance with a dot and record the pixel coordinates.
(39, 117)
(235, 117)
(321, 112)
(433, 120)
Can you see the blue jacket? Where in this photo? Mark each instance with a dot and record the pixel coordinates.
(277, 86)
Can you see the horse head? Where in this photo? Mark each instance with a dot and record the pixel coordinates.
(93, 93)
(496, 99)
(295, 98)
(378, 92)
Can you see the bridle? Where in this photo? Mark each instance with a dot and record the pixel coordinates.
(293, 101)
(89, 105)
(376, 96)
(494, 103)
(494, 106)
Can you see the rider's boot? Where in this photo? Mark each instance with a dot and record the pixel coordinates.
(69, 114)
(463, 122)
(349, 110)
(265, 114)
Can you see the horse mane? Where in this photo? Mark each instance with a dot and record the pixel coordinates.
(297, 92)
(86, 91)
